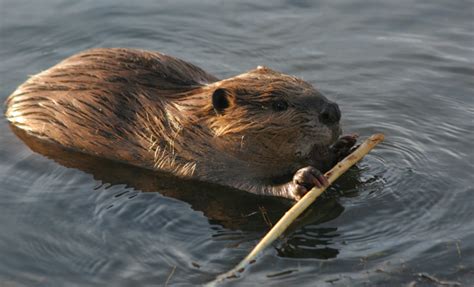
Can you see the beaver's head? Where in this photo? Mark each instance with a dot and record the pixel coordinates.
(272, 119)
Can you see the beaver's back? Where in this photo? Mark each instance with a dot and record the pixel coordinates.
(91, 101)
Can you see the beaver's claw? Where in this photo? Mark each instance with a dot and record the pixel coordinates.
(344, 146)
(305, 179)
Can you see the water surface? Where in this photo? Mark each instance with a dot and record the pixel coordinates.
(404, 68)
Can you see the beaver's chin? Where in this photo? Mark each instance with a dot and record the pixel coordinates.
(318, 150)
(321, 152)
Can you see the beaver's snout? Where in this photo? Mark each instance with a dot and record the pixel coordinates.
(330, 114)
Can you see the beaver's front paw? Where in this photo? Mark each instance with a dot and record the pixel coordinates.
(305, 179)
(344, 146)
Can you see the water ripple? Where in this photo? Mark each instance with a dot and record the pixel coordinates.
(395, 68)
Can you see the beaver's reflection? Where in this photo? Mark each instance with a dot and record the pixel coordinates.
(233, 209)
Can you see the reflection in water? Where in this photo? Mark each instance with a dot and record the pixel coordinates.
(233, 209)
(310, 241)
(309, 246)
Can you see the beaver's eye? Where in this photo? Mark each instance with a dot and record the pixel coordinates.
(279, 106)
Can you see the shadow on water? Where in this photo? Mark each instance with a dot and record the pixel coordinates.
(230, 208)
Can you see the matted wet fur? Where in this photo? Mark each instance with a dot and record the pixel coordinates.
(254, 131)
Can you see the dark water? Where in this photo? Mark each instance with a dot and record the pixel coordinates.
(404, 68)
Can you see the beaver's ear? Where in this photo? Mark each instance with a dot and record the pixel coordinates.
(221, 100)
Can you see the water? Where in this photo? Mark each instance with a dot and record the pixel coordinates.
(404, 68)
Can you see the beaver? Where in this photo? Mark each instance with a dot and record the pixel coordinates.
(261, 131)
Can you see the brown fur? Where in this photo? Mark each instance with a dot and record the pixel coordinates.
(156, 111)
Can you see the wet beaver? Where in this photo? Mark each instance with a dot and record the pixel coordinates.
(262, 131)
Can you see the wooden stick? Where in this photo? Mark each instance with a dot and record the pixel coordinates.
(304, 202)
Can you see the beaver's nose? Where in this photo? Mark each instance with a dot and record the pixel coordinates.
(331, 114)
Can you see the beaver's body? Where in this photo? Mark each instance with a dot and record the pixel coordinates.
(252, 132)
